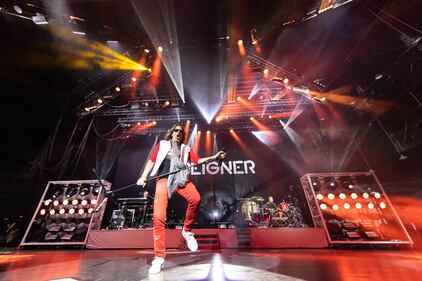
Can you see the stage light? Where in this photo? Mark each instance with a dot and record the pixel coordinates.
(71, 211)
(358, 205)
(377, 195)
(346, 206)
(252, 118)
(17, 9)
(55, 203)
(154, 122)
(323, 206)
(42, 212)
(47, 202)
(208, 132)
(254, 42)
(117, 89)
(167, 103)
(90, 210)
(371, 205)
(134, 79)
(354, 195)
(365, 195)
(231, 130)
(160, 49)
(52, 212)
(199, 132)
(316, 185)
(100, 101)
(79, 32)
(336, 207)
(139, 123)
(93, 201)
(240, 42)
(266, 71)
(347, 184)
(146, 51)
(39, 19)
(332, 185)
(319, 196)
(270, 116)
(62, 211)
(188, 121)
(383, 205)
(84, 191)
(65, 202)
(71, 190)
(238, 98)
(57, 192)
(81, 211)
(96, 190)
(75, 202)
(331, 196)
(285, 81)
(84, 202)
(342, 196)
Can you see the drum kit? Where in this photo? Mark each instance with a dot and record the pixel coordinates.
(285, 214)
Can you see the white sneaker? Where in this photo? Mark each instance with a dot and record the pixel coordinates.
(190, 240)
(156, 265)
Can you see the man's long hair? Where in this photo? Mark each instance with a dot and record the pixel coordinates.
(170, 131)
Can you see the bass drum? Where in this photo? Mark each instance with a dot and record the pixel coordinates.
(279, 219)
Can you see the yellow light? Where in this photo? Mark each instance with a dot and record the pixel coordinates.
(319, 196)
(377, 195)
(117, 89)
(371, 205)
(346, 206)
(240, 42)
(81, 211)
(75, 202)
(90, 210)
(42, 212)
(266, 71)
(65, 202)
(56, 203)
(94, 201)
(47, 202)
(134, 79)
(146, 51)
(336, 207)
(358, 205)
(100, 101)
(286, 81)
(160, 49)
(252, 118)
(71, 211)
(354, 195)
(52, 212)
(84, 202)
(154, 122)
(199, 132)
(331, 196)
(231, 130)
(383, 205)
(270, 116)
(365, 195)
(208, 132)
(62, 211)
(342, 196)
(254, 42)
(239, 98)
(323, 206)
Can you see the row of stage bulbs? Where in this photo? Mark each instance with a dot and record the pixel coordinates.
(347, 206)
(353, 195)
(71, 211)
(67, 202)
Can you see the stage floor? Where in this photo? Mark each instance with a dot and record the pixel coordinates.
(227, 264)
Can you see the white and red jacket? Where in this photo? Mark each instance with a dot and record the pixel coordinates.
(161, 150)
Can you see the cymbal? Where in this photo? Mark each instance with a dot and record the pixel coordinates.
(258, 198)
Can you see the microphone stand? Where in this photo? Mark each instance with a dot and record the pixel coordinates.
(111, 192)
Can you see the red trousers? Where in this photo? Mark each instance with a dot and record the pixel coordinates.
(190, 193)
